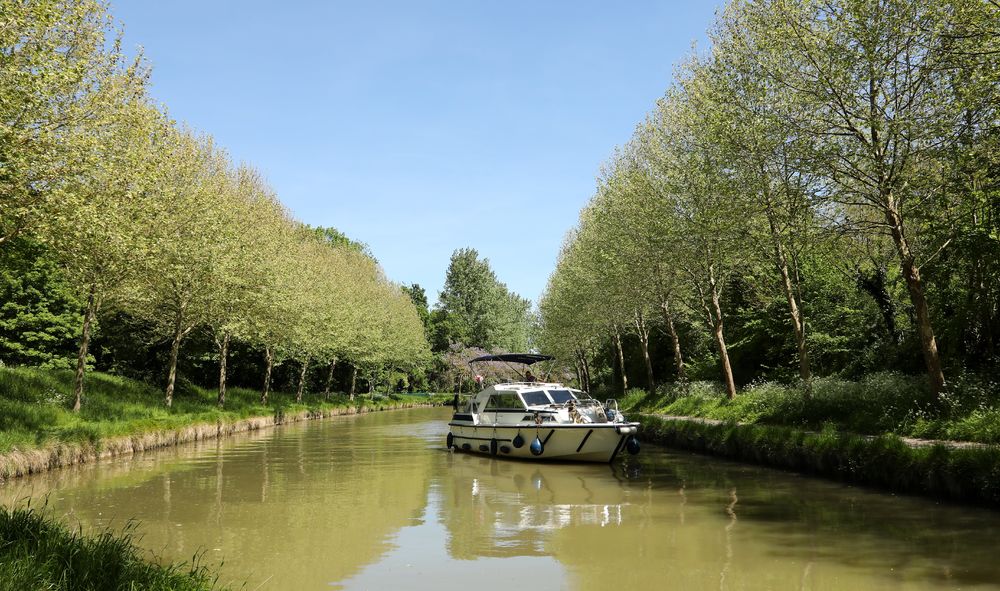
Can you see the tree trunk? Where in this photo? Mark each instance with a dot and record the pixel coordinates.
(354, 380)
(643, 331)
(223, 357)
(302, 379)
(581, 357)
(81, 359)
(935, 375)
(269, 360)
(798, 326)
(329, 378)
(668, 318)
(620, 354)
(874, 285)
(175, 348)
(715, 320)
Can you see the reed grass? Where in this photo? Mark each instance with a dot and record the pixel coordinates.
(38, 552)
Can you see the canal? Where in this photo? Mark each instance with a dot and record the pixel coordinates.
(375, 502)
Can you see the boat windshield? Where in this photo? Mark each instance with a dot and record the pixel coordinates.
(504, 401)
(561, 396)
(535, 398)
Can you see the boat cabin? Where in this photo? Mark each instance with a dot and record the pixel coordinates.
(531, 402)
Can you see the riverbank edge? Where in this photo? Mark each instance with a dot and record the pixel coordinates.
(962, 474)
(16, 464)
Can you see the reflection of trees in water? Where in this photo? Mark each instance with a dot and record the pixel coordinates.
(317, 503)
(683, 496)
(814, 526)
(696, 523)
(307, 504)
(731, 512)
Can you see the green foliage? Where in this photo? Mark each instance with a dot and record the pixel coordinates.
(799, 209)
(144, 219)
(878, 403)
(418, 296)
(40, 316)
(477, 310)
(338, 239)
(38, 552)
(59, 70)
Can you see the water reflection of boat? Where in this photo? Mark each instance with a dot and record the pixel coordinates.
(539, 420)
(512, 508)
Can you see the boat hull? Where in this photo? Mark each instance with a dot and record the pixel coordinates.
(593, 442)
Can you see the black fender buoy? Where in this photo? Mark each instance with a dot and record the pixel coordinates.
(493, 447)
(632, 445)
(451, 441)
(518, 441)
(537, 447)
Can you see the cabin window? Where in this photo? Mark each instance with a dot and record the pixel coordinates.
(561, 396)
(535, 397)
(504, 401)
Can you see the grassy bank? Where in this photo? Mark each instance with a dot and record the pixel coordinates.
(37, 552)
(847, 430)
(885, 461)
(38, 429)
(878, 404)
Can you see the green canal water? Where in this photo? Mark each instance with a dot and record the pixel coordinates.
(376, 502)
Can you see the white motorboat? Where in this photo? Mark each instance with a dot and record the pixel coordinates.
(539, 420)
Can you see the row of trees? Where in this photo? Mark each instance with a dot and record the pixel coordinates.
(831, 162)
(150, 219)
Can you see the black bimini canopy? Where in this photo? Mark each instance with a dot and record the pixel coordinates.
(525, 358)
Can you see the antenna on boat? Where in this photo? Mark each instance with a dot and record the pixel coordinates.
(548, 369)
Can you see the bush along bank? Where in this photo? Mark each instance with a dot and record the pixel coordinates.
(37, 552)
(968, 474)
(39, 431)
(878, 403)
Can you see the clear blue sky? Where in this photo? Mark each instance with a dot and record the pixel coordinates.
(421, 127)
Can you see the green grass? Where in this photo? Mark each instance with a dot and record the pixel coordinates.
(36, 407)
(885, 461)
(37, 552)
(882, 403)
